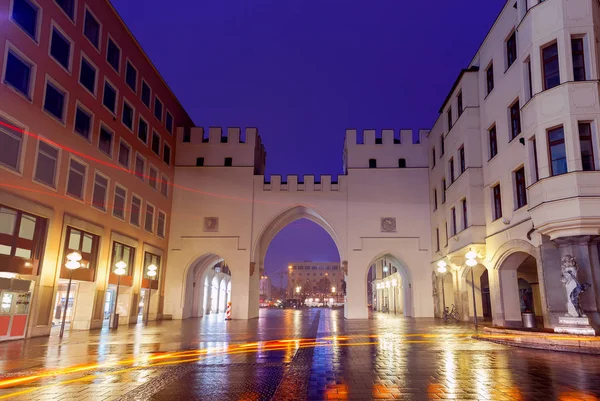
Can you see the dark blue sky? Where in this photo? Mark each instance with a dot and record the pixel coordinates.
(303, 71)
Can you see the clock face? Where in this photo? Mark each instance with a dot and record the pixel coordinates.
(388, 224)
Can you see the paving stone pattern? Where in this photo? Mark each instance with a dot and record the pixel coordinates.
(386, 357)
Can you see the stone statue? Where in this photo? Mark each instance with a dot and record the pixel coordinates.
(573, 287)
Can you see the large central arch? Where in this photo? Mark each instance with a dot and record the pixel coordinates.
(281, 220)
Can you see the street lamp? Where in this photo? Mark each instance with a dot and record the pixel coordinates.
(151, 273)
(443, 270)
(72, 264)
(119, 271)
(290, 267)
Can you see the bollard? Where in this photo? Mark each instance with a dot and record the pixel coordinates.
(228, 312)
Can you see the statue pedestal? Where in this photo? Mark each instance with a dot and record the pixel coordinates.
(575, 325)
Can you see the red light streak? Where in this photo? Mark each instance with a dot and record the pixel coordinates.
(120, 168)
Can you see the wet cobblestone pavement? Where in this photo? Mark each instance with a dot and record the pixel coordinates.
(290, 355)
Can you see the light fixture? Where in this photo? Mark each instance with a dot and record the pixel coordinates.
(7, 275)
(120, 268)
(471, 255)
(471, 262)
(290, 267)
(394, 283)
(442, 263)
(387, 284)
(442, 269)
(316, 299)
(332, 289)
(151, 273)
(298, 289)
(152, 267)
(76, 256)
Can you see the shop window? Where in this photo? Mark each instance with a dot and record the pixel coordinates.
(122, 252)
(86, 244)
(22, 235)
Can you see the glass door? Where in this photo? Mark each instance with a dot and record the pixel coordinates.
(14, 311)
(6, 300)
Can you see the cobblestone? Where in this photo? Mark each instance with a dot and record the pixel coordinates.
(291, 355)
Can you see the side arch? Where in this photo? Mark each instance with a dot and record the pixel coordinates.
(192, 297)
(405, 273)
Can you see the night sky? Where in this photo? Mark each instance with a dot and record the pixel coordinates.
(303, 71)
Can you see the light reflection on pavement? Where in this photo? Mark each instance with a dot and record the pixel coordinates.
(290, 354)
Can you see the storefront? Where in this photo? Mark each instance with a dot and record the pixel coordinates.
(15, 298)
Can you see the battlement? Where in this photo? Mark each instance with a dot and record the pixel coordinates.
(304, 183)
(389, 149)
(215, 147)
(387, 137)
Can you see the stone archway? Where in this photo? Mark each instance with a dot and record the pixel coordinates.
(281, 220)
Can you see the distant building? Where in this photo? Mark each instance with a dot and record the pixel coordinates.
(314, 279)
(266, 289)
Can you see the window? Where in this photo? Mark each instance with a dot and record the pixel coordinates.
(46, 164)
(146, 93)
(60, 48)
(449, 118)
(200, 161)
(105, 141)
(587, 147)
(459, 101)
(453, 215)
(100, 191)
(19, 73)
(169, 123)
(511, 49)
(515, 120)
(489, 75)
(123, 253)
(433, 157)
(149, 218)
(521, 189)
(535, 159)
(131, 76)
(434, 199)
(55, 101)
(442, 146)
(84, 243)
(529, 82)
(187, 134)
(372, 163)
(493, 141)
(124, 152)
(164, 186)
(155, 143)
(136, 206)
(83, 122)
(437, 239)
(91, 29)
(119, 202)
(451, 167)
(143, 130)
(443, 190)
(158, 109)
(152, 177)
(578, 59)
(402, 163)
(140, 166)
(464, 209)
(160, 226)
(68, 6)
(497, 202)
(76, 179)
(22, 235)
(26, 13)
(109, 99)
(228, 162)
(113, 54)
(558, 157)
(127, 117)
(166, 153)
(461, 157)
(551, 68)
(88, 75)
(446, 232)
(151, 259)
